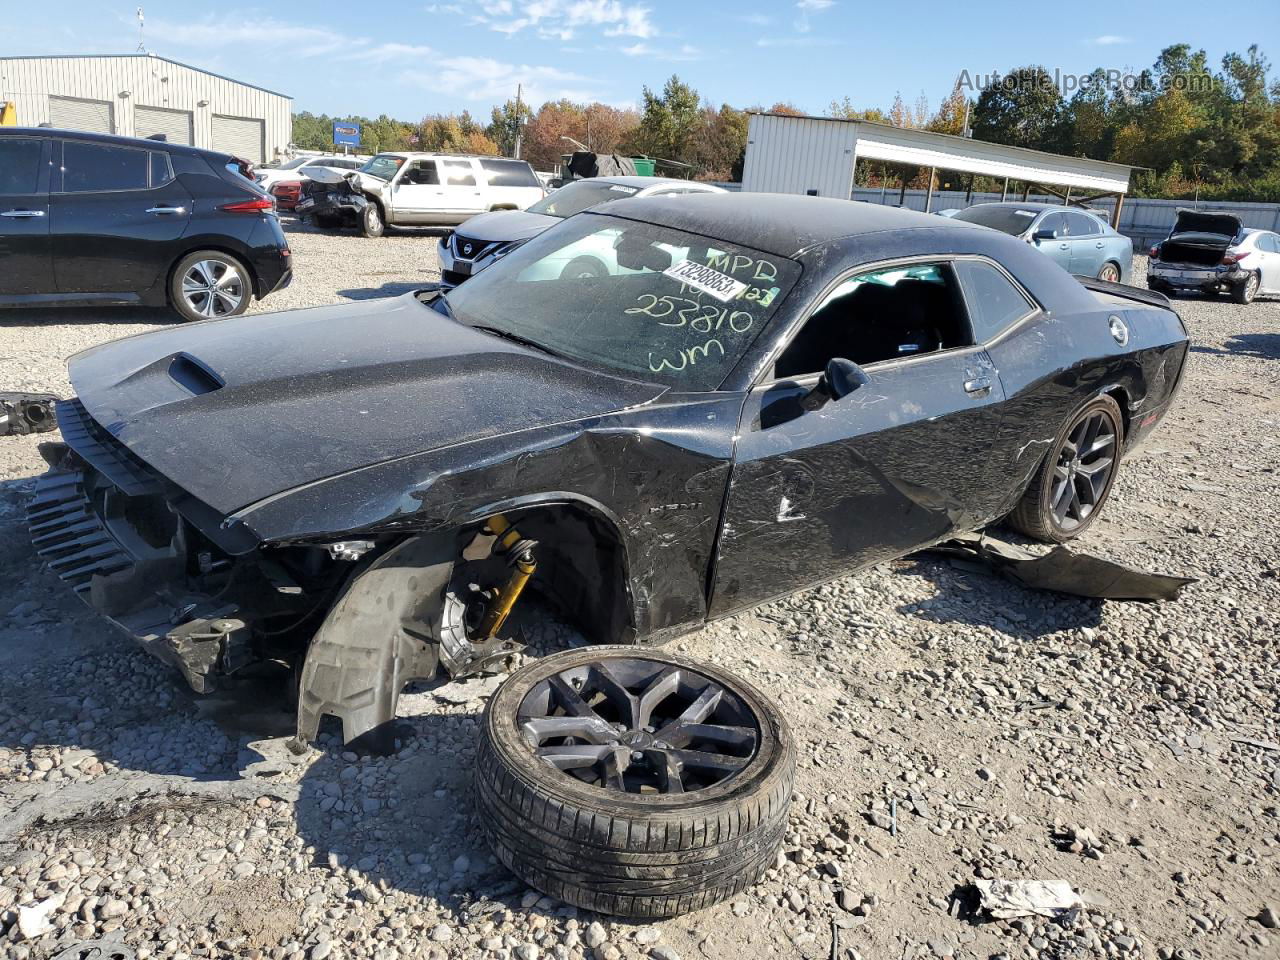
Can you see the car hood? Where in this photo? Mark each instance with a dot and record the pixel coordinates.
(505, 226)
(1226, 225)
(234, 411)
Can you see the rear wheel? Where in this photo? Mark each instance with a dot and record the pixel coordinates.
(210, 285)
(1246, 290)
(1074, 481)
(371, 222)
(1110, 273)
(633, 782)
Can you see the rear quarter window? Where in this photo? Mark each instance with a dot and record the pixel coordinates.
(509, 173)
(994, 302)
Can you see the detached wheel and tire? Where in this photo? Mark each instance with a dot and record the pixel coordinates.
(1074, 481)
(371, 222)
(210, 285)
(584, 267)
(1246, 291)
(633, 782)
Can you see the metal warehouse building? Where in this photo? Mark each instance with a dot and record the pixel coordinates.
(140, 95)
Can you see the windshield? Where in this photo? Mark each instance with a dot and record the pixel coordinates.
(647, 301)
(383, 166)
(577, 196)
(1014, 220)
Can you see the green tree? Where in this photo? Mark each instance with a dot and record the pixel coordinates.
(669, 121)
(1023, 109)
(505, 125)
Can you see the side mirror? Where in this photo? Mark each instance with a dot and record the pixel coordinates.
(1042, 235)
(840, 379)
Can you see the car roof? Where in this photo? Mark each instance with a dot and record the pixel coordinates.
(108, 138)
(638, 181)
(1037, 205)
(411, 154)
(782, 224)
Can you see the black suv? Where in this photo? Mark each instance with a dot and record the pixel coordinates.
(87, 218)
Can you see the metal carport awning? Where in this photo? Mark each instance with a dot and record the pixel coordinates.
(774, 135)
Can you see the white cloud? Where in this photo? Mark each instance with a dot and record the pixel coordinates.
(387, 52)
(241, 32)
(683, 52)
(561, 19)
(1108, 40)
(484, 78)
(805, 41)
(807, 7)
(452, 9)
(756, 19)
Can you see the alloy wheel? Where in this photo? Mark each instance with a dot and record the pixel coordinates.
(1109, 273)
(1251, 286)
(1083, 470)
(213, 288)
(637, 726)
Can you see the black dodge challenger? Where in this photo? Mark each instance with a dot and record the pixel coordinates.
(745, 395)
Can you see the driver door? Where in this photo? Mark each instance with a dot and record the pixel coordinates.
(900, 463)
(1057, 249)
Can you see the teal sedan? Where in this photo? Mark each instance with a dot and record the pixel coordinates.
(1079, 241)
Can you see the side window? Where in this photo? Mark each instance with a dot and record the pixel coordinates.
(19, 165)
(1082, 225)
(91, 167)
(422, 173)
(994, 302)
(1056, 222)
(161, 169)
(458, 173)
(881, 315)
(1270, 243)
(508, 173)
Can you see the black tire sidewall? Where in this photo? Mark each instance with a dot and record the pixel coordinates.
(500, 729)
(372, 222)
(1058, 534)
(179, 302)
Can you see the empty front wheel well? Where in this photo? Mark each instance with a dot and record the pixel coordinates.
(582, 568)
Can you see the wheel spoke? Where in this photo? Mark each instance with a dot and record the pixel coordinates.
(575, 756)
(228, 278)
(1099, 444)
(668, 770)
(680, 734)
(537, 730)
(1092, 426)
(569, 700)
(696, 712)
(1101, 465)
(626, 703)
(1084, 490)
(707, 762)
(201, 269)
(661, 687)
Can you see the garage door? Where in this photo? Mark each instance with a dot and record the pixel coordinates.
(69, 113)
(174, 124)
(239, 136)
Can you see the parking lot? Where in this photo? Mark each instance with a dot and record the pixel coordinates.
(950, 725)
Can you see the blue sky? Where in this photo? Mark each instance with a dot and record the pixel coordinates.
(408, 58)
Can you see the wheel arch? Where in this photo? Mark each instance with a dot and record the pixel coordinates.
(583, 561)
(241, 257)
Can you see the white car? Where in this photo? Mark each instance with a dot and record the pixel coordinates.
(1208, 252)
(298, 168)
(488, 238)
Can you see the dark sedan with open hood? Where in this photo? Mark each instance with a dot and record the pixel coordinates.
(759, 393)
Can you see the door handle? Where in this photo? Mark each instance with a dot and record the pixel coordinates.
(21, 214)
(161, 211)
(978, 386)
(1099, 244)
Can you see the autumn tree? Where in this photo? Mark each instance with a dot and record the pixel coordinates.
(668, 121)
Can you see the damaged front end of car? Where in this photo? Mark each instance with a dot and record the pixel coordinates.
(157, 562)
(357, 619)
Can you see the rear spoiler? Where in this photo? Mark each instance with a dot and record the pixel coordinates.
(1140, 294)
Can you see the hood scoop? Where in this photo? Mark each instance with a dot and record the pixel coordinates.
(194, 376)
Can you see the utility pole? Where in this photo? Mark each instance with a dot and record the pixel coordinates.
(519, 122)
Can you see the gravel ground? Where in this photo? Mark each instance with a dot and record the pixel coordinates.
(1129, 749)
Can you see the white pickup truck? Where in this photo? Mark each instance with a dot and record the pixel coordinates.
(428, 189)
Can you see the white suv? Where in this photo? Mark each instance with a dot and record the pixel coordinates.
(415, 189)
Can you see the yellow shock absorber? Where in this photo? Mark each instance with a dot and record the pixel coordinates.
(522, 567)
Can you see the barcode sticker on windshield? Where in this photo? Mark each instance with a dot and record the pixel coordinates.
(701, 277)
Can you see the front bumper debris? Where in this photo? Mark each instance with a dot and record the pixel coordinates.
(24, 413)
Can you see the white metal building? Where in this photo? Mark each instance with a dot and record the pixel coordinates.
(141, 94)
(787, 154)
